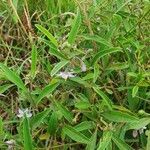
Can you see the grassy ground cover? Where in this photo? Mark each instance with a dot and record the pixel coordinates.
(74, 74)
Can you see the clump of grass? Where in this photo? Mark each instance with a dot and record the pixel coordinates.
(74, 74)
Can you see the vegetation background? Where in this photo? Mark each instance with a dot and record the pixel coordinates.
(75, 74)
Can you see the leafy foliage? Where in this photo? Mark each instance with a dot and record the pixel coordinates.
(81, 68)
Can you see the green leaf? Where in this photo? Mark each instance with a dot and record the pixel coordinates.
(1, 127)
(48, 34)
(118, 116)
(96, 72)
(105, 141)
(75, 27)
(10, 75)
(114, 26)
(85, 125)
(13, 14)
(148, 140)
(118, 66)
(139, 124)
(105, 52)
(75, 135)
(5, 87)
(58, 67)
(135, 90)
(97, 39)
(107, 101)
(46, 91)
(121, 144)
(122, 5)
(53, 124)
(55, 51)
(83, 105)
(33, 61)
(92, 143)
(38, 118)
(80, 81)
(65, 112)
(27, 141)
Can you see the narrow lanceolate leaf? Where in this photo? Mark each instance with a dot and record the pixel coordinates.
(65, 112)
(107, 101)
(122, 5)
(96, 72)
(85, 125)
(53, 124)
(27, 141)
(10, 75)
(135, 90)
(5, 87)
(148, 140)
(46, 91)
(118, 116)
(38, 118)
(105, 141)
(80, 81)
(33, 61)
(83, 105)
(75, 27)
(120, 144)
(105, 52)
(139, 124)
(92, 143)
(48, 34)
(55, 51)
(58, 67)
(75, 135)
(97, 39)
(1, 126)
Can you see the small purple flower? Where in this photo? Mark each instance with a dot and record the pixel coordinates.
(66, 75)
(142, 130)
(10, 144)
(23, 112)
(135, 132)
(83, 66)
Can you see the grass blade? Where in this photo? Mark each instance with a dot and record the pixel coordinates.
(104, 53)
(54, 51)
(58, 67)
(75, 28)
(107, 101)
(5, 87)
(27, 141)
(47, 90)
(97, 39)
(118, 116)
(38, 118)
(48, 34)
(75, 135)
(10, 75)
(33, 61)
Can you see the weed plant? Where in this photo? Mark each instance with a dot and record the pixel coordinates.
(74, 74)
